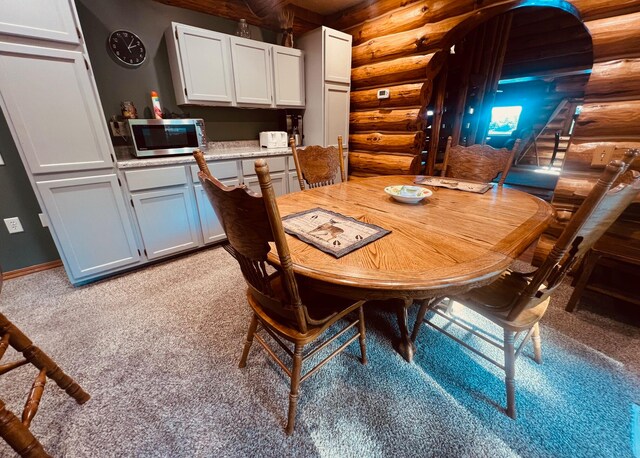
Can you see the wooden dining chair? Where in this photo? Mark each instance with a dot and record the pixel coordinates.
(280, 307)
(15, 431)
(517, 301)
(318, 166)
(477, 162)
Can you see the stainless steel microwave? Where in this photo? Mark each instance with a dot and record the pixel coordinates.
(162, 137)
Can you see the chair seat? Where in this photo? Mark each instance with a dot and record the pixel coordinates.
(319, 307)
(494, 302)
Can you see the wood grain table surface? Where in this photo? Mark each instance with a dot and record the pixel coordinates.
(448, 243)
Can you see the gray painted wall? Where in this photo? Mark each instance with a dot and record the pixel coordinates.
(98, 18)
(34, 245)
(149, 20)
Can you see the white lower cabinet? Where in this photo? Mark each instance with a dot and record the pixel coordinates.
(294, 184)
(278, 181)
(166, 219)
(90, 221)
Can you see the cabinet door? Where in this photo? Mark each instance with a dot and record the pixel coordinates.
(50, 101)
(46, 19)
(294, 184)
(288, 71)
(88, 217)
(278, 180)
(336, 114)
(166, 220)
(251, 71)
(211, 227)
(337, 56)
(206, 65)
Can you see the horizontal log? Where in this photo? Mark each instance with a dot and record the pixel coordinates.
(593, 9)
(614, 80)
(616, 121)
(386, 120)
(399, 20)
(362, 11)
(404, 95)
(579, 155)
(384, 164)
(411, 68)
(410, 144)
(421, 40)
(615, 37)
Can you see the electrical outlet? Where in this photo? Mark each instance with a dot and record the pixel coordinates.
(13, 225)
(1, 161)
(602, 155)
(43, 220)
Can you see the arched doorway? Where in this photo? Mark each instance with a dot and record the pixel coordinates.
(520, 73)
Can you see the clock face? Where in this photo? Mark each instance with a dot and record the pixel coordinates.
(127, 48)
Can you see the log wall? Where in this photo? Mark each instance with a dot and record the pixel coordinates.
(401, 45)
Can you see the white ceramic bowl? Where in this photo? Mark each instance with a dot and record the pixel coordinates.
(408, 194)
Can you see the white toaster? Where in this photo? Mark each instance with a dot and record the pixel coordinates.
(273, 139)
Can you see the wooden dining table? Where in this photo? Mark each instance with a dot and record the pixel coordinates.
(446, 244)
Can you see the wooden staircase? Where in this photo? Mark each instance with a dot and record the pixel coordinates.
(552, 136)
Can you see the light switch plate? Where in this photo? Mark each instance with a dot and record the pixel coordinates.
(602, 155)
(43, 220)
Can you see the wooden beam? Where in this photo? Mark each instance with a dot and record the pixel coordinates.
(409, 144)
(263, 8)
(436, 122)
(461, 96)
(412, 68)
(386, 120)
(617, 121)
(615, 37)
(595, 9)
(421, 40)
(362, 11)
(383, 164)
(614, 80)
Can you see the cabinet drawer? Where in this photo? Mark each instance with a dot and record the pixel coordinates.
(219, 169)
(155, 178)
(276, 164)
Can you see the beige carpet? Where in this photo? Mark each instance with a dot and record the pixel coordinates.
(158, 348)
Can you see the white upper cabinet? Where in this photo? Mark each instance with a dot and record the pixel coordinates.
(91, 224)
(46, 19)
(212, 68)
(53, 107)
(252, 71)
(337, 56)
(288, 71)
(200, 65)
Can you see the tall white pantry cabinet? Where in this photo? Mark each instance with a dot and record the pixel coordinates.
(327, 81)
(51, 104)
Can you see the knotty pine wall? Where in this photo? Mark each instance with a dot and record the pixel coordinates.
(401, 45)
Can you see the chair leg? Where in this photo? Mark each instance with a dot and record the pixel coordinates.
(247, 345)
(22, 344)
(18, 435)
(510, 371)
(363, 335)
(295, 387)
(537, 345)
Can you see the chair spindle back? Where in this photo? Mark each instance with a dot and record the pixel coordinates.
(477, 162)
(615, 190)
(250, 222)
(318, 166)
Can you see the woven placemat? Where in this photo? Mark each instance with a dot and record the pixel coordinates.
(452, 183)
(331, 232)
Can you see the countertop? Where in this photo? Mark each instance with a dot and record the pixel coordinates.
(215, 151)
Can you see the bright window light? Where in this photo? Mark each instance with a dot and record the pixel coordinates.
(504, 120)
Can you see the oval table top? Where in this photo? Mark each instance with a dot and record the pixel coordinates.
(449, 242)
